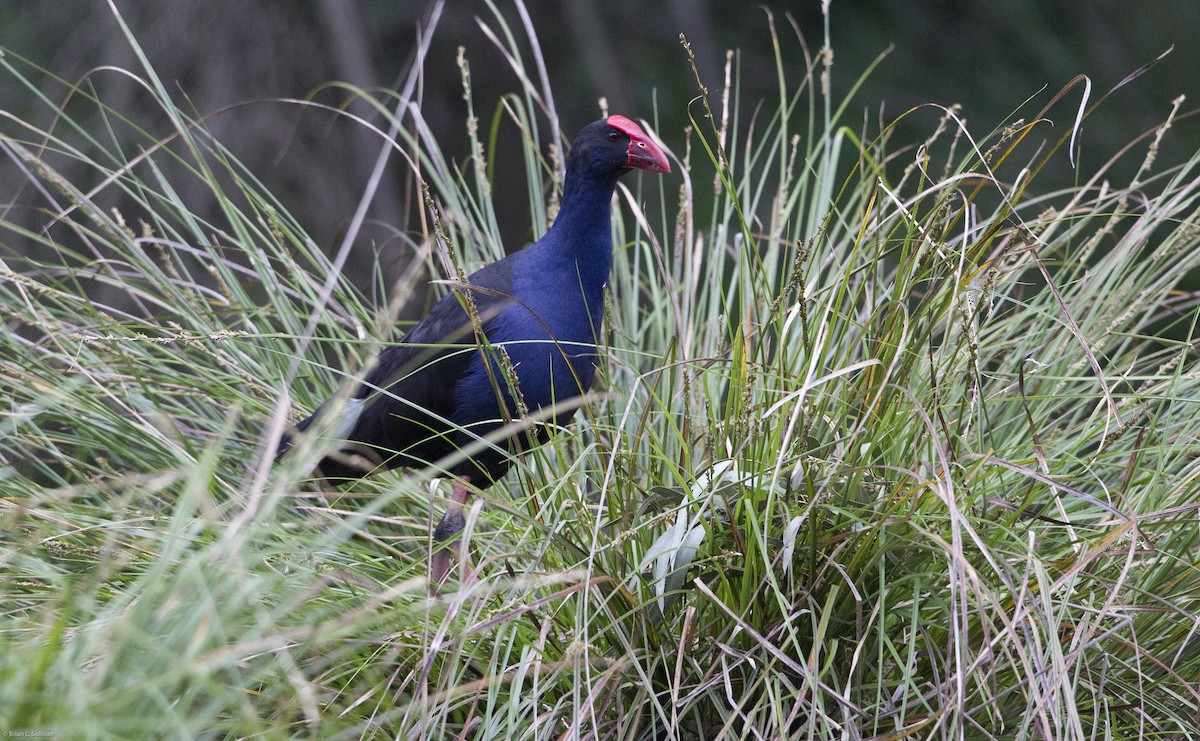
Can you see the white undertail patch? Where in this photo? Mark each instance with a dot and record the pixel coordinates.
(349, 419)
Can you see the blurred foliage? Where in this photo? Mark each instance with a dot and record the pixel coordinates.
(236, 61)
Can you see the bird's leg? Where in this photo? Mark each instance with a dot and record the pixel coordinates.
(447, 545)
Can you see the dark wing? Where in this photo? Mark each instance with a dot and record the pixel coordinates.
(399, 415)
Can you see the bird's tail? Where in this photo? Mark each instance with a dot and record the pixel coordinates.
(288, 437)
(341, 466)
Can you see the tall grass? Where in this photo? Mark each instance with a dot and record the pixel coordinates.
(887, 443)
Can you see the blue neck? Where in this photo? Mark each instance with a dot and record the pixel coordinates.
(582, 232)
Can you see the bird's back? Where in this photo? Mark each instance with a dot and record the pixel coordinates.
(431, 394)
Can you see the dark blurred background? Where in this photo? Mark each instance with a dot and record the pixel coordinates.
(231, 58)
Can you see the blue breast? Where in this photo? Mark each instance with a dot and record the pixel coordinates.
(549, 333)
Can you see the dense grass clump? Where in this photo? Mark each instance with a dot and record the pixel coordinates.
(888, 443)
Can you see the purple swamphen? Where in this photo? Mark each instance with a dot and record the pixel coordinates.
(443, 386)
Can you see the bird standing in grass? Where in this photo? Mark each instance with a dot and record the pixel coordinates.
(536, 312)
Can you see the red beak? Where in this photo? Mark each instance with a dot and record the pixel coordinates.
(644, 154)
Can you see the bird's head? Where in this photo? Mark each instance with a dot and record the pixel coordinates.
(615, 145)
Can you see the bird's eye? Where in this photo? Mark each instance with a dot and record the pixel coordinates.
(613, 135)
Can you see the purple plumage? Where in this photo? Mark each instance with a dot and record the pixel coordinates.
(433, 393)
